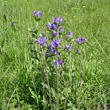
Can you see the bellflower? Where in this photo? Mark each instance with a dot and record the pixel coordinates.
(33, 28)
(41, 40)
(70, 33)
(57, 62)
(54, 19)
(51, 44)
(46, 52)
(48, 25)
(56, 42)
(39, 13)
(14, 22)
(54, 32)
(58, 53)
(52, 49)
(78, 39)
(77, 50)
(35, 13)
(68, 46)
(83, 39)
(53, 25)
(60, 19)
(60, 28)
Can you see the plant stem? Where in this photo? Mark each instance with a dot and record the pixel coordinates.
(48, 86)
(68, 80)
(57, 87)
(66, 94)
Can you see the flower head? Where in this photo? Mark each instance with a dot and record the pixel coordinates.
(83, 39)
(54, 32)
(46, 53)
(53, 25)
(41, 40)
(68, 46)
(54, 19)
(60, 28)
(33, 28)
(52, 49)
(70, 33)
(57, 62)
(48, 25)
(77, 50)
(56, 42)
(37, 13)
(58, 53)
(78, 39)
(60, 19)
(51, 44)
(14, 22)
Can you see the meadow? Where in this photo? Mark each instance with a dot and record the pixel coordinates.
(30, 80)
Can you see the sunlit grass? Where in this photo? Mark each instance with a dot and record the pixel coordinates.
(89, 19)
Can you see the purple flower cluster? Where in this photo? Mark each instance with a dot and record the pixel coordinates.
(37, 13)
(55, 25)
(57, 62)
(53, 45)
(55, 28)
(79, 39)
(55, 19)
(41, 40)
(68, 46)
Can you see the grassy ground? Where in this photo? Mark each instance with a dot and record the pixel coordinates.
(87, 18)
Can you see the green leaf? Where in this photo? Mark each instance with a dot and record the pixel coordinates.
(33, 93)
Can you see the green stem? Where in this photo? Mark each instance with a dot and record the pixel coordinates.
(48, 87)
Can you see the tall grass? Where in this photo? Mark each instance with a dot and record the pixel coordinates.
(90, 70)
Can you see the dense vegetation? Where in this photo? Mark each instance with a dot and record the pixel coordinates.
(30, 80)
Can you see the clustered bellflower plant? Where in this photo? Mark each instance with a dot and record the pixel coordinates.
(52, 49)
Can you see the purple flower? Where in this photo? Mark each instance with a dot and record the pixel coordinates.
(46, 52)
(51, 44)
(78, 39)
(57, 62)
(53, 25)
(33, 28)
(58, 53)
(70, 33)
(39, 13)
(68, 46)
(83, 39)
(48, 25)
(52, 49)
(54, 19)
(35, 13)
(54, 32)
(14, 22)
(60, 19)
(60, 28)
(77, 50)
(41, 40)
(56, 42)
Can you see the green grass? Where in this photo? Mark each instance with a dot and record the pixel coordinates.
(85, 18)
